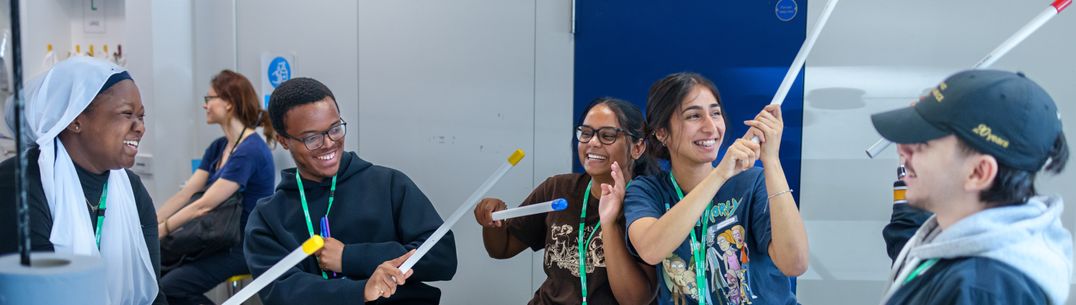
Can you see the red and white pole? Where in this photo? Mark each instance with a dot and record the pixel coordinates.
(1049, 13)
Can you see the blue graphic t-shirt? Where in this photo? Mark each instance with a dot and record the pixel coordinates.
(738, 268)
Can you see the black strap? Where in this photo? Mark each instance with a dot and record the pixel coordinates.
(216, 166)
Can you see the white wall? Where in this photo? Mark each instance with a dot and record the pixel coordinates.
(44, 22)
(159, 51)
(446, 94)
(214, 30)
(113, 32)
(878, 55)
(60, 23)
(554, 61)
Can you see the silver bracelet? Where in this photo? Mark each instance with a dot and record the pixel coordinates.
(779, 193)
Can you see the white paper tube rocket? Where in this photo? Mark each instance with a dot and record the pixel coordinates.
(311, 245)
(466, 206)
(558, 204)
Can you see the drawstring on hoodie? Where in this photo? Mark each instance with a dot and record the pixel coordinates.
(920, 270)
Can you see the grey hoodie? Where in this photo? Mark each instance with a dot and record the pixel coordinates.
(1028, 237)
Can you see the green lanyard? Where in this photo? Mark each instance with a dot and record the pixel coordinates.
(697, 244)
(919, 271)
(584, 245)
(101, 214)
(306, 210)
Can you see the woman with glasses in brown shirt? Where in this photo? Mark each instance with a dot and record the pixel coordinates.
(610, 144)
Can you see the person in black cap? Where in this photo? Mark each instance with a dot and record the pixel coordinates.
(972, 148)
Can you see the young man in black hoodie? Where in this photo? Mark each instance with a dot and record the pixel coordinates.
(376, 216)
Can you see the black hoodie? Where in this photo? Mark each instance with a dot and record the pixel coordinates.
(378, 213)
(902, 225)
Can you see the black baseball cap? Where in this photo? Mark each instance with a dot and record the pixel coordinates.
(999, 113)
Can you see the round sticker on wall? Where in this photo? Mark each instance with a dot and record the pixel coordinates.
(279, 71)
(786, 10)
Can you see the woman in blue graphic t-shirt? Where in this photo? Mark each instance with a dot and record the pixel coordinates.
(729, 234)
(240, 161)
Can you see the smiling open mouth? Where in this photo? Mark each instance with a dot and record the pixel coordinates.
(709, 143)
(327, 157)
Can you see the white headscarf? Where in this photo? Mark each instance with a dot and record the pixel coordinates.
(53, 100)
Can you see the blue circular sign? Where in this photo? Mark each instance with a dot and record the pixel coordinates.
(279, 71)
(786, 10)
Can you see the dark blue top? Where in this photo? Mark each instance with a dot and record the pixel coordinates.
(738, 267)
(251, 166)
(903, 224)
(970, 281)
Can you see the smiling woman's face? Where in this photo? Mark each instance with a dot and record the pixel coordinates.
(595, 156)
(111, 128)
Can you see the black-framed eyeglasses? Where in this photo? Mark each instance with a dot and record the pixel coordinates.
(208, 98)
(606, 135)
(317, 140)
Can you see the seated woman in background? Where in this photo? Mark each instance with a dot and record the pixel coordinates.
(611, 151)
(240, 161)
(84, 118)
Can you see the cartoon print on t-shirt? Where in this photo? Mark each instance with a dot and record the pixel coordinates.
(564, 252)
(727, 261)
(727, 255)
(738, 239)
(679, 279)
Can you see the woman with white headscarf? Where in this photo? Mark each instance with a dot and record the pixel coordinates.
(84, 118)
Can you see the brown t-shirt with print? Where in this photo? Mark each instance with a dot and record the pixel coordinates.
(557, 232)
